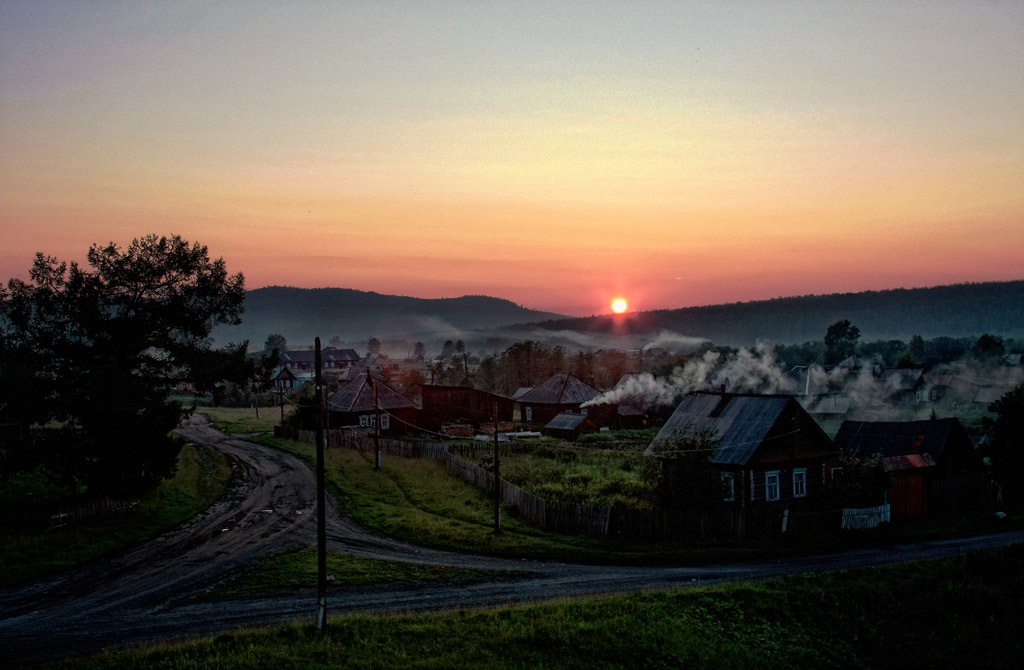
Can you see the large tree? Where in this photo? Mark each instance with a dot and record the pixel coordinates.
(95, 351)
(1006, 448)
(840, 341)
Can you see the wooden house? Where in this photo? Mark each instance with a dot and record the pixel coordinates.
(562, 394)
(462, 405)
(358, 402)
(330, 359)
(769, 448)
(953, 472)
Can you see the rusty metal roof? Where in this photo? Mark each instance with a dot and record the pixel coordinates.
(909, 462)
(562, 389)
(357, 396)
(740, 422)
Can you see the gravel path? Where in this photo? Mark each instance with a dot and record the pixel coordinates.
(145, 594)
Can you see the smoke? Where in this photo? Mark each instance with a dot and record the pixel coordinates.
(667, 339)
(747, 370)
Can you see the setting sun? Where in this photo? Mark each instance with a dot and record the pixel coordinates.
(619, 305)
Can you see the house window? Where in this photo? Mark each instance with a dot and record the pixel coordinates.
(728, 486)
(568, 411)
(918, 395)
(799, 482)
(771, 485)
(583, 411)
(385, 421)
(836, 473)
(364, 420)
(529, 414)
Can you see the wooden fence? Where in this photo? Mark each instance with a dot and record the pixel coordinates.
(616, 522)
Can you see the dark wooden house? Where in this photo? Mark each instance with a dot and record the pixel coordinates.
(769, 448)
(562, 394)
(954, 477)
(331, 359)
(357, 404)
(463, 405)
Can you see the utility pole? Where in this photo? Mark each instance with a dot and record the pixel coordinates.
(497, 476)
(321, 499)
(376, 433)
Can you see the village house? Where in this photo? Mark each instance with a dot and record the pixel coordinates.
(331, 359)
(769, 449)
(561, 394)
(359, 402)
(462, 405)
(570, 426)
(935, 465)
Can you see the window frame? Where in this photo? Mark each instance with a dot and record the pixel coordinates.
(768, 476)
(802, 473)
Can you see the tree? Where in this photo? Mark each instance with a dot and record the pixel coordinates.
(988, 349)
(275, 341)
(448, 350)
(840, 341)
(419, 352)
(95, 351)
(1006, 448)
(373, 346)
(681, 472)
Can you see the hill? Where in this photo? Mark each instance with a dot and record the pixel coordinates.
(302, 314)
(956, 310)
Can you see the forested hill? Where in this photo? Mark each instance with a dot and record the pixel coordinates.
(957, 310)
(303, 314)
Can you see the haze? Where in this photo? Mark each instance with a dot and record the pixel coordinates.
(559, 156)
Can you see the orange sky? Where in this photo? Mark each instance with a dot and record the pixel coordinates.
(674, 154)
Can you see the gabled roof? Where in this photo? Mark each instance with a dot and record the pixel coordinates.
(740, 422)
(902, 379)
(863, 439)
(521, 391)
(340, 354)
(833, 405)
(284, 373)
(308, 356)
(358, 396)
(562, 389)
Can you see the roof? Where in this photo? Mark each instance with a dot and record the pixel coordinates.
(308, 355)
(902, 379)
(521, 391)
(358, 396)
(562, 389)
(566, 421)
(909, 462)
(740, 422)
(989, 394)
(863, 439)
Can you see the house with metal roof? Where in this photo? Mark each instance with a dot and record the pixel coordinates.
(953, 472)
(769, 449)
(561, 394)
(570, 426)
(360, 401)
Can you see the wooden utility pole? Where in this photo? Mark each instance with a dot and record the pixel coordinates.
(376, 433)
(321, 500)
(497, 477)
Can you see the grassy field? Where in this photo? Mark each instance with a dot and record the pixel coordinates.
(961, 612)
(200, 480)
(296, 570)
(593, 475)
(242, 420)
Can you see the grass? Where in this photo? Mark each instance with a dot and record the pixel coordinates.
(592, 475)
(242, 420)
(201, 479)
(966, 611)
(295, 570)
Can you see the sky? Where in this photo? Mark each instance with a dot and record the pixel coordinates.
(558, 154)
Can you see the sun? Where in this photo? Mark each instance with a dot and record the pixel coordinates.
(619, 305)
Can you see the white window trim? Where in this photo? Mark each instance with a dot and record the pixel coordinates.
(800, 476)
(767, 487)
(730, 486)
(385, 421)
(529, 414)
(364, 420)
(583, 411)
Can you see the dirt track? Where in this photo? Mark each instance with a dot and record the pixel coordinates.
(145, 593)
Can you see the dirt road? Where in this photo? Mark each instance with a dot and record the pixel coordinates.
(146, 593)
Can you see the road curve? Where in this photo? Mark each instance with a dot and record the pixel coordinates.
(146, 593)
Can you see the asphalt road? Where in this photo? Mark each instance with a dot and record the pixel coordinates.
(147, 593)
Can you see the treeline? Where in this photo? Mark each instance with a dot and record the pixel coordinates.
(956, 311)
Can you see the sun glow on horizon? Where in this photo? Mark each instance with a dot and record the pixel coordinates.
(619, 305)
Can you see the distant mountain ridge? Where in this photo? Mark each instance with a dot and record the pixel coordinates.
(955, 310)
(302, 314)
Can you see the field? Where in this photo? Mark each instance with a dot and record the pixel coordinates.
(961, 612)
(201, 479)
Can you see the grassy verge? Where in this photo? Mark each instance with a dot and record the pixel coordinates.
(295, 570)
(201, 478)
(966, 611)
(241, 420)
